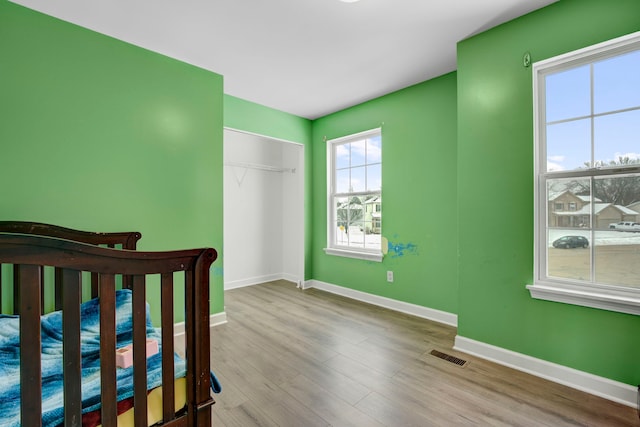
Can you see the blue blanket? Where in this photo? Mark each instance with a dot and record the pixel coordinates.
(52, 379)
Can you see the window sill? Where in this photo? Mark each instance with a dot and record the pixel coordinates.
(623, 301)
(368, 256)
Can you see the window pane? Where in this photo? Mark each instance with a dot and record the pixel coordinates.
(616, 258)
(372, 240)
(374, 149)
(620, 199)
(617, 243)
(349, 220)
(616, 235)
(568, 94)
(617, 136)
(374, 177)
(373, 222)
(358, 156)
(341, 216)
(341, 237)
(617, 83)
(569, 254)
(569, 204)
(568, 145)
(342, 181)
(343, 152)
(358, 179)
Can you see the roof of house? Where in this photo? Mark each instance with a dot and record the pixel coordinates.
(597, 208)
(587, 199)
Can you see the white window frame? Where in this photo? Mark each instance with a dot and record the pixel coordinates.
(609, 297)
(332, 247)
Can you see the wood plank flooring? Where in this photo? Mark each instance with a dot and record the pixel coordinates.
(289, 357)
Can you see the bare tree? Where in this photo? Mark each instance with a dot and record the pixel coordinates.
(349, 213)
(622, 190)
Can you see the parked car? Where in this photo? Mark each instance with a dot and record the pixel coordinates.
(625, 226)
(569, 242)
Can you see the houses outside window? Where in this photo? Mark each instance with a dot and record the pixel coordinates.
(354, 176)
(587, 122)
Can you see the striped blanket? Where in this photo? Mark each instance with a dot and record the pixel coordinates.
(52, 375)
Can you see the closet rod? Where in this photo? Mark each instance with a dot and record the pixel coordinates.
(260, 167)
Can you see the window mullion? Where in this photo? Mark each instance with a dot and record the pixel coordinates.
(592, 119)
(594, 225)
(592, 251)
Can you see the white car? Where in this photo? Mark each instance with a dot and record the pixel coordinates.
(625, 226)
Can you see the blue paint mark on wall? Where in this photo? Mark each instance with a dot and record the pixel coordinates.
(397, 249)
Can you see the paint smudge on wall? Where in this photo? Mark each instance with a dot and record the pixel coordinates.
(398, 249)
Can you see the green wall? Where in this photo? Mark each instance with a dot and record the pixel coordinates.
(418, 193)
(101, 135)
(495, 194)
(246, 116)
(255, 118)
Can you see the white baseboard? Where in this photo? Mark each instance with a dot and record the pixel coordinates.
(260, 279)
(252, 281)
(214, 320)
(403, 307)
(290, 278)
(593, 384)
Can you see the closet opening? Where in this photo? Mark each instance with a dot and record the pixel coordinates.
(263, 209)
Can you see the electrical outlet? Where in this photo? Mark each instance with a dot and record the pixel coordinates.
(390, 276)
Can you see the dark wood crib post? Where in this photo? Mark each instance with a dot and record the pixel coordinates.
(198, 340)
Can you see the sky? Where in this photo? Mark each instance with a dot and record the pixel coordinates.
(615, 119)
(358, 165)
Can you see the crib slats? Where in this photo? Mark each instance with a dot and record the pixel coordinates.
(27, 281)
(139, 351)
(94, 285)
(16, 290)
(57, 298)
(166, 307)
(41, 289)
(71, 298)
(190, 335)
(108, 350)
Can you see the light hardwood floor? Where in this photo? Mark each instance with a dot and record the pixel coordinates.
(289, 357)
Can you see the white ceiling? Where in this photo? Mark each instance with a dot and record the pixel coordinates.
(305, 57)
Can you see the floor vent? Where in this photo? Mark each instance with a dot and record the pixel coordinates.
(448, 358)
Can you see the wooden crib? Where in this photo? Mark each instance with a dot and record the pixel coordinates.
(120, 240)
(109, 268)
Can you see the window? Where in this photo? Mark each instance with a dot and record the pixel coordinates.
(559, 206)
(587, 122)
(354, 196)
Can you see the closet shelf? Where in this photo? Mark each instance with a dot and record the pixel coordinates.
(260, 167)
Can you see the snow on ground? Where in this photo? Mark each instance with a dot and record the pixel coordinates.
(602, 237)
(357, 238)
